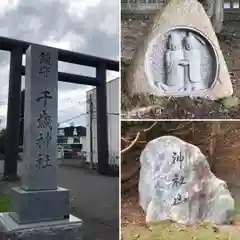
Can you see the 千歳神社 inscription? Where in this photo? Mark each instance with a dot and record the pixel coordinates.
(44, 121)
(45, 95)
(40, 126)
(181, 62)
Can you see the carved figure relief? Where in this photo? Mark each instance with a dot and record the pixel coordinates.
(173, 58)
(193, 56)
(182, 63)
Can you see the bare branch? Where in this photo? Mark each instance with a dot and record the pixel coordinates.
(136, 138)
(129, 141)
(148, 129)
(132, 144)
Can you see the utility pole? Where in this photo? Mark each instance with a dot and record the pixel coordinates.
(91, 129)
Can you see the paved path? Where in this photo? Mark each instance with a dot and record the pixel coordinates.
(94, 199)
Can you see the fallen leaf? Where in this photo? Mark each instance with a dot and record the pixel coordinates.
(215, 229)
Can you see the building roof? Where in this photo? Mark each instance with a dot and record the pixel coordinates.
(68, 131)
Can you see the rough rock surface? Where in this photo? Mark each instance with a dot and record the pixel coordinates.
(176, 183)
(187, 13)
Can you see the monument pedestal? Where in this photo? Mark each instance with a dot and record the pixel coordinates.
(69, 229)
(37, 206)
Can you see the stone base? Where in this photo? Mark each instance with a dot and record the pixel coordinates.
(35, 206)
(70, 229)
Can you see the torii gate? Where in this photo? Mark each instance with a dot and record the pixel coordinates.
(17, 48)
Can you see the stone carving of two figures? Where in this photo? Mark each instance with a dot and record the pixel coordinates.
(183, 62)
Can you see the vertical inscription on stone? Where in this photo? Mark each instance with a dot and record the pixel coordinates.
(178, 180)
(40, 126)
(178, 159)
(45, 63)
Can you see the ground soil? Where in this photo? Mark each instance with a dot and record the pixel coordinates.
(133, 221)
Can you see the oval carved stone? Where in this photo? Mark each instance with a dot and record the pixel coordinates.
(180, 56)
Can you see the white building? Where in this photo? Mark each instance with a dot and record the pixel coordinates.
(72, 138)
(83, 141)
(113, 110)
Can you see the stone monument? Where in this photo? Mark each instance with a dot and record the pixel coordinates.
(40, 209)
(180, 56)
(176, 183)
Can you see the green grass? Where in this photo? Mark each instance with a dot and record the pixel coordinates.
(4, 203)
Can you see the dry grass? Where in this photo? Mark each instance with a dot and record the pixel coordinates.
(171, 231)
(167, 230)
(178, 108)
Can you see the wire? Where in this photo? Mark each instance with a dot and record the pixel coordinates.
(78, 116)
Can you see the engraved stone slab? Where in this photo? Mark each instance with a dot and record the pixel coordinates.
(180, 56)
(37, 206)
(181, 62)
(176, 183)
(40, 121)
(69, 229)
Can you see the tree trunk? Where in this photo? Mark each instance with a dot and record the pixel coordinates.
(215, 11)
(215, 130)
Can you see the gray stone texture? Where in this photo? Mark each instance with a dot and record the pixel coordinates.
(40, 118)
(176, 184)
(181, 62)
(40, 209)
(37, 206)
(178, 13)
(56, 230)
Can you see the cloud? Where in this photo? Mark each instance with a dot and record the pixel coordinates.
(7, 5)
(89, 27)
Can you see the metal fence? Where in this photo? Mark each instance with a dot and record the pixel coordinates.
(231, 11)
(153, 5)
(232, 4)
(142, 5)
(146, 8)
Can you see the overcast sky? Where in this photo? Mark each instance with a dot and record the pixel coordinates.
(86, 26)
